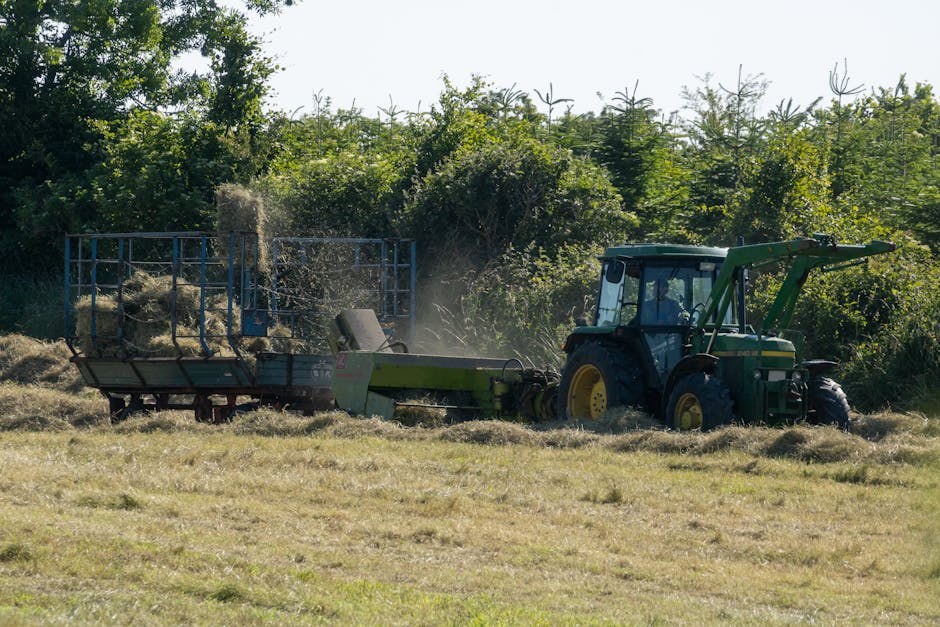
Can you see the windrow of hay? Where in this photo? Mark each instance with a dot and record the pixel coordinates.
(28, 361)
(169, 421)
(273, 423)
(33, 408)
(490, 432)
(881, 438)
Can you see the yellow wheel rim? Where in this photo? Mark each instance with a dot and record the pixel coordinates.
(688, 413)
(587, 395)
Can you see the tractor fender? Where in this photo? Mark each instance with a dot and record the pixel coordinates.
(817, 366)
(699, 362)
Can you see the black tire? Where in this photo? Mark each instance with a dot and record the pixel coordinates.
(614, 366)
(699, 401)
(827, 403)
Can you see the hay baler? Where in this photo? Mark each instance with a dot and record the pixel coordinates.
(669, 335)
(375, 377)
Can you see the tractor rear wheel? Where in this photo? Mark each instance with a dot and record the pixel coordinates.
(699, 401)
(828, 404)
(597, 377)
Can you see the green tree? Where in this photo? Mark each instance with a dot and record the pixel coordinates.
(71, 71)
(724, 138)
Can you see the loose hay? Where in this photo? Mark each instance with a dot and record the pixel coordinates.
(28, 361)
(32, 408)
(489, 432)
(170, 421)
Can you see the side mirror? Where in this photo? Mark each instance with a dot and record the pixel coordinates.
(614, 273)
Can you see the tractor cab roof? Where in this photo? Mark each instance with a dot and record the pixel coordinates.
(653, 250)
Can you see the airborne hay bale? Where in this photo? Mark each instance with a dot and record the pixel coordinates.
(238, 209)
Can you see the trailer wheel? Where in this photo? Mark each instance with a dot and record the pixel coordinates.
(828, 404)
(699, 401)
(597, 377)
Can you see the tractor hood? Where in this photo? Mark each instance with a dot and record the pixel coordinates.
(774, 351)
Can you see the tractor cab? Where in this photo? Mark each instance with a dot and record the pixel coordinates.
(654, 294)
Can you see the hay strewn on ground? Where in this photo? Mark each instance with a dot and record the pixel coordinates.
(28, 361)
(878, 439)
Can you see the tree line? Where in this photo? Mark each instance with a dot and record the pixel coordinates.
(507, 192)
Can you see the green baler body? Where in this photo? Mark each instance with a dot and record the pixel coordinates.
(367, 383)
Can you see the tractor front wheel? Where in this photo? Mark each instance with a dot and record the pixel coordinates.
(699, 401)
(828, 404)
(597, 377)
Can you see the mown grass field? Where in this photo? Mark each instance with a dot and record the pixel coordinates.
(277, 518)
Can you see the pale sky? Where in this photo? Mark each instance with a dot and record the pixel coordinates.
(368, 50)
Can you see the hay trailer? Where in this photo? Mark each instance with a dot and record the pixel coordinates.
(213, 323)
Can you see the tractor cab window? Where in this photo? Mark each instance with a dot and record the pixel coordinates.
(676, 295)
(616, 304)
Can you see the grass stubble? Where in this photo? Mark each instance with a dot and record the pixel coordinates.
(296, 520)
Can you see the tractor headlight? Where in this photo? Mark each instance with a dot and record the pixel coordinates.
(797, 376)
(757, 374)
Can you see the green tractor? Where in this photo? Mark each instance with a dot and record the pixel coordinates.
(669, 335)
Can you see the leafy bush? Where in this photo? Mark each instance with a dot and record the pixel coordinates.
(881, 320)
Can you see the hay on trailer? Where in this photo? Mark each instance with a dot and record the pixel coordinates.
(238, 209)
(149, 311)
(106, 324)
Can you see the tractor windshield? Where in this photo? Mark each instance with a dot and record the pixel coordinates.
(676, 295)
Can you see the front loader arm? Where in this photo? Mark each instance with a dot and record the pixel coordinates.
(722, 294)
(820, 251)
(829, 256)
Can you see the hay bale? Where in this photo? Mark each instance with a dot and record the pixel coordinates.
(282, 340)
(419, 415)
(107, 323)
(238, 209)
(151, 298)
(163, 346)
